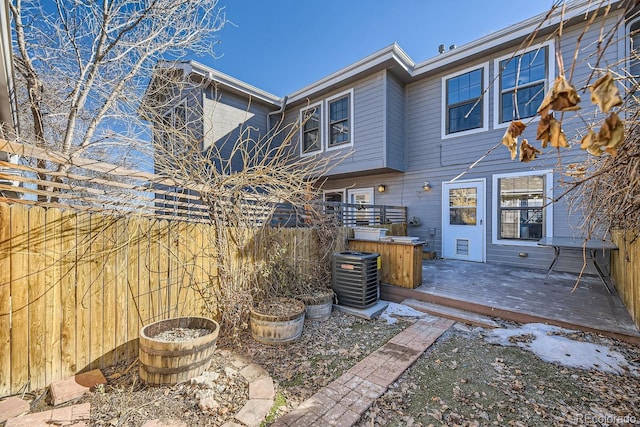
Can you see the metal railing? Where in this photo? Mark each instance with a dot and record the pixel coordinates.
(356, 215)
(341, 214)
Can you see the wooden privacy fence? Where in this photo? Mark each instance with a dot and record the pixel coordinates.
(625, 270)
(75, 288)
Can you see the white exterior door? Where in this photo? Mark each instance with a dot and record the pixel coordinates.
(463, 220)
(361, 216)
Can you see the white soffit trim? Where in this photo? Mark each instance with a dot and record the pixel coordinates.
(232, 82)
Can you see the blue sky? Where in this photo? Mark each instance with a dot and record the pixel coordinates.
(283, 45)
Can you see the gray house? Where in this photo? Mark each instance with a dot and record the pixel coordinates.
(409, 132)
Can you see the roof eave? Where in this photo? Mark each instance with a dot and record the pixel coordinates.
(504, 36)
(235, 84)
(193, 67)
(392, 52)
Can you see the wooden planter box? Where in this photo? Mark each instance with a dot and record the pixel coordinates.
(401, 263)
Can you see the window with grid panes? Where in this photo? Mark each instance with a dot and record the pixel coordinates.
(464, 102)
(522, 84)
(339, 126)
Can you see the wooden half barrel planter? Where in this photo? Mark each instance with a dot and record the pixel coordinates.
(277, 321)
(176, 350)
(318, 305)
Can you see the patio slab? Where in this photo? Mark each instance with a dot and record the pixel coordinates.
(520, 294)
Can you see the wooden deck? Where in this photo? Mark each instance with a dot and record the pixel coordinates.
(519, 294)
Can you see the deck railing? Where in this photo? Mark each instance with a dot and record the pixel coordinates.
(356, 215)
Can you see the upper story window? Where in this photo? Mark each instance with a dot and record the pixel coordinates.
(340, 120)
(521, 84)
(521, 214)
(327, 125)
(173, 129)
(311, 120)
(465, 100)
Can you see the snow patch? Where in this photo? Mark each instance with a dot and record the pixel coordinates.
(394, 310)
(549, 345)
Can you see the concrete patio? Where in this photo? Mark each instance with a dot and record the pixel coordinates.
(520, 294)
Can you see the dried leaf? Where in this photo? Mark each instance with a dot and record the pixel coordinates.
(561, 97)
(595, 150)
(516, 128)
(591, 144)
(605, 93)
(511, 143)
(588, 140)
(510, 138)
(557, 137)
(611, 133)
(544, 129)
(608, 138)
(528, 152)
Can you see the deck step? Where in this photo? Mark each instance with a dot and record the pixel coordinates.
(452, 313)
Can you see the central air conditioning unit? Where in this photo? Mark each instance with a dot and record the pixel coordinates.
(356, 278)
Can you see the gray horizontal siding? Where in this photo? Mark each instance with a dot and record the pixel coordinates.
(367, 152)
(439, 160)
(229, 117)
(395, 143)
(368, 122)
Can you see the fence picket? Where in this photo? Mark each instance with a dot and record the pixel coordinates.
(121, 252)
(52, 296)
(68, 282)
(134, 236)
(144, 274)
(110, 309)
(96, 291)
(19, 297)
(39, 282)
(5, 300)
(83, 291)
(156, 281)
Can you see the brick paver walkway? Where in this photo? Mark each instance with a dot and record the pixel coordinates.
(342, 402)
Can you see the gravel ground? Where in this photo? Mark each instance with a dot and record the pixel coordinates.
(460, 380)
(325, 350)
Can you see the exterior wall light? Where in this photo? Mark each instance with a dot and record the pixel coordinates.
(382, 188)
(426, 186)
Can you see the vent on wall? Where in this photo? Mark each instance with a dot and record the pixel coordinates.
(462, 247)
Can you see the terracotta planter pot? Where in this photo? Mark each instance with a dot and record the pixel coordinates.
(318, 305)
(277, 321)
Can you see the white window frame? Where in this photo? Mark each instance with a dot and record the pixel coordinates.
(485, 101)
(628, 47)
(327, 103)
(321, 129)
(548, 210)
(497, 98)
(170, 114)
